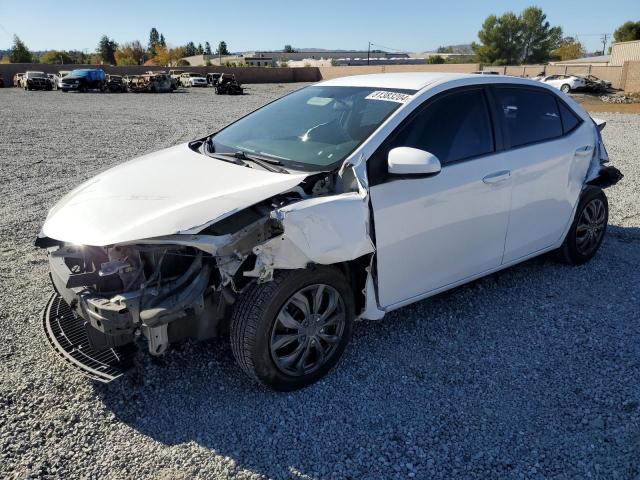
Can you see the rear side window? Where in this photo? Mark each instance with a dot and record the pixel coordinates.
(530, 116)
(569, 119)
(453, 128)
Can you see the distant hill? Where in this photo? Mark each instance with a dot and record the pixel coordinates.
(462, 48)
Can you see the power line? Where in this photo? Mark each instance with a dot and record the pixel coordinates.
(387, 48)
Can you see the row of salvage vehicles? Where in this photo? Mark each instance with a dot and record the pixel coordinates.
(83, 80)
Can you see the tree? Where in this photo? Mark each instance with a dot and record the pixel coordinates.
(19, 52)
(130, 53)
(56, 57)
(539, 38)
(162, 41)
(435, 59)
(627, 32)
(511, 39)
(222, 48)
(500, 37)
(78, 57)
(207, 48)
(190, 50)
(106, 50)
(154, 40)
(289, 49)
(168, 57)
(200, 50)
(569, 49)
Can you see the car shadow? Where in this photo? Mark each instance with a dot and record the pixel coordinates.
(472, 370)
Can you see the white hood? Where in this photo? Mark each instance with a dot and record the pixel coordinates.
(167, 192)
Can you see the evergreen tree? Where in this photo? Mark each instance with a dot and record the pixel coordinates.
(19, 52)
(107, 49)
(154, 40)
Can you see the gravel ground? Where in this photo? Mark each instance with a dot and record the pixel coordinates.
(533, 372)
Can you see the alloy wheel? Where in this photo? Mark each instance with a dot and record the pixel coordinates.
(307, 330)
(590, 227)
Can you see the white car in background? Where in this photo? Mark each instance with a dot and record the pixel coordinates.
(346, 199)
(61, 75)
(565, 83)
(193, 80)
(55, 80)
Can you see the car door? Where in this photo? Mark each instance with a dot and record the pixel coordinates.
(549, 150)
(435, 231)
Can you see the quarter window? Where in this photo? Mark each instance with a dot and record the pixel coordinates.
(530, 116)
(569, 119)
(454, 127)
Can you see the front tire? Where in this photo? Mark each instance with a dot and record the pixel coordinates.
(588, 228)
(565, 88)
(290, 332)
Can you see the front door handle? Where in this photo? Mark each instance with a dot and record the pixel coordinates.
(497, 177)
(586, 150)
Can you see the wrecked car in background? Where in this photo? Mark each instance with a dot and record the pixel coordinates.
(228, 85)
(346, 199)
(17, 79)
(116, 84)
(150, 82)
(33, 80)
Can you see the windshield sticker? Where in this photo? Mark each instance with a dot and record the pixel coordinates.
(388, 96)
(319, 101)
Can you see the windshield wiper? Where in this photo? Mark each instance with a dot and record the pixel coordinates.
(270, 164)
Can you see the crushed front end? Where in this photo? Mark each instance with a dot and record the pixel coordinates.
(107, 296)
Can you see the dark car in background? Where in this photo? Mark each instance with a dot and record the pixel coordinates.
(85, 79)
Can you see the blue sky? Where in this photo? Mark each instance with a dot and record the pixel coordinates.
(415, 25)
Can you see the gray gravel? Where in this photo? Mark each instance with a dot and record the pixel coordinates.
(530, 373)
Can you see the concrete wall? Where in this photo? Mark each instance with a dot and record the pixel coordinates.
(631, 77)
(243, 74)
(334, 72)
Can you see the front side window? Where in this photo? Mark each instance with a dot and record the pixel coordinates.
(454, 127)
(312, 128)
(530, 116)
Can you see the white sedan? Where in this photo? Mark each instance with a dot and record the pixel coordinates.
(565, 83)
(344, 200)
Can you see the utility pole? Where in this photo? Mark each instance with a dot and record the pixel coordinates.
(604, 43)
(368, 52)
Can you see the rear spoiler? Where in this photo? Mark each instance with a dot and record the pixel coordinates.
(600, 124)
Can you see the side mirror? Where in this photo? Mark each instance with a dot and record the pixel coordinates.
(411, 161)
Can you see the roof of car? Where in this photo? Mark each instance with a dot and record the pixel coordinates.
(419, 80)
(409, 80)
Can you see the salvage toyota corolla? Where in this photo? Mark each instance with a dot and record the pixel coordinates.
(343, 200)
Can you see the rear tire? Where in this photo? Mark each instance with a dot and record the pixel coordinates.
(588, 228)
(565, 88)
(273, 340)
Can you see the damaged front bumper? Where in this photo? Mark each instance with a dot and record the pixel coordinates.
(95, 328)
(67, 335)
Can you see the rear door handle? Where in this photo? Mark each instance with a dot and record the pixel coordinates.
(497, 177)
(586, 150)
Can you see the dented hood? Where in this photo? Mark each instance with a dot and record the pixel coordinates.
(175, 190)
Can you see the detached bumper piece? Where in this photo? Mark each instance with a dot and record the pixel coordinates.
(67, 334)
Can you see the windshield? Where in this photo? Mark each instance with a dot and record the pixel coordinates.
(36, 75)
(313, 128)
